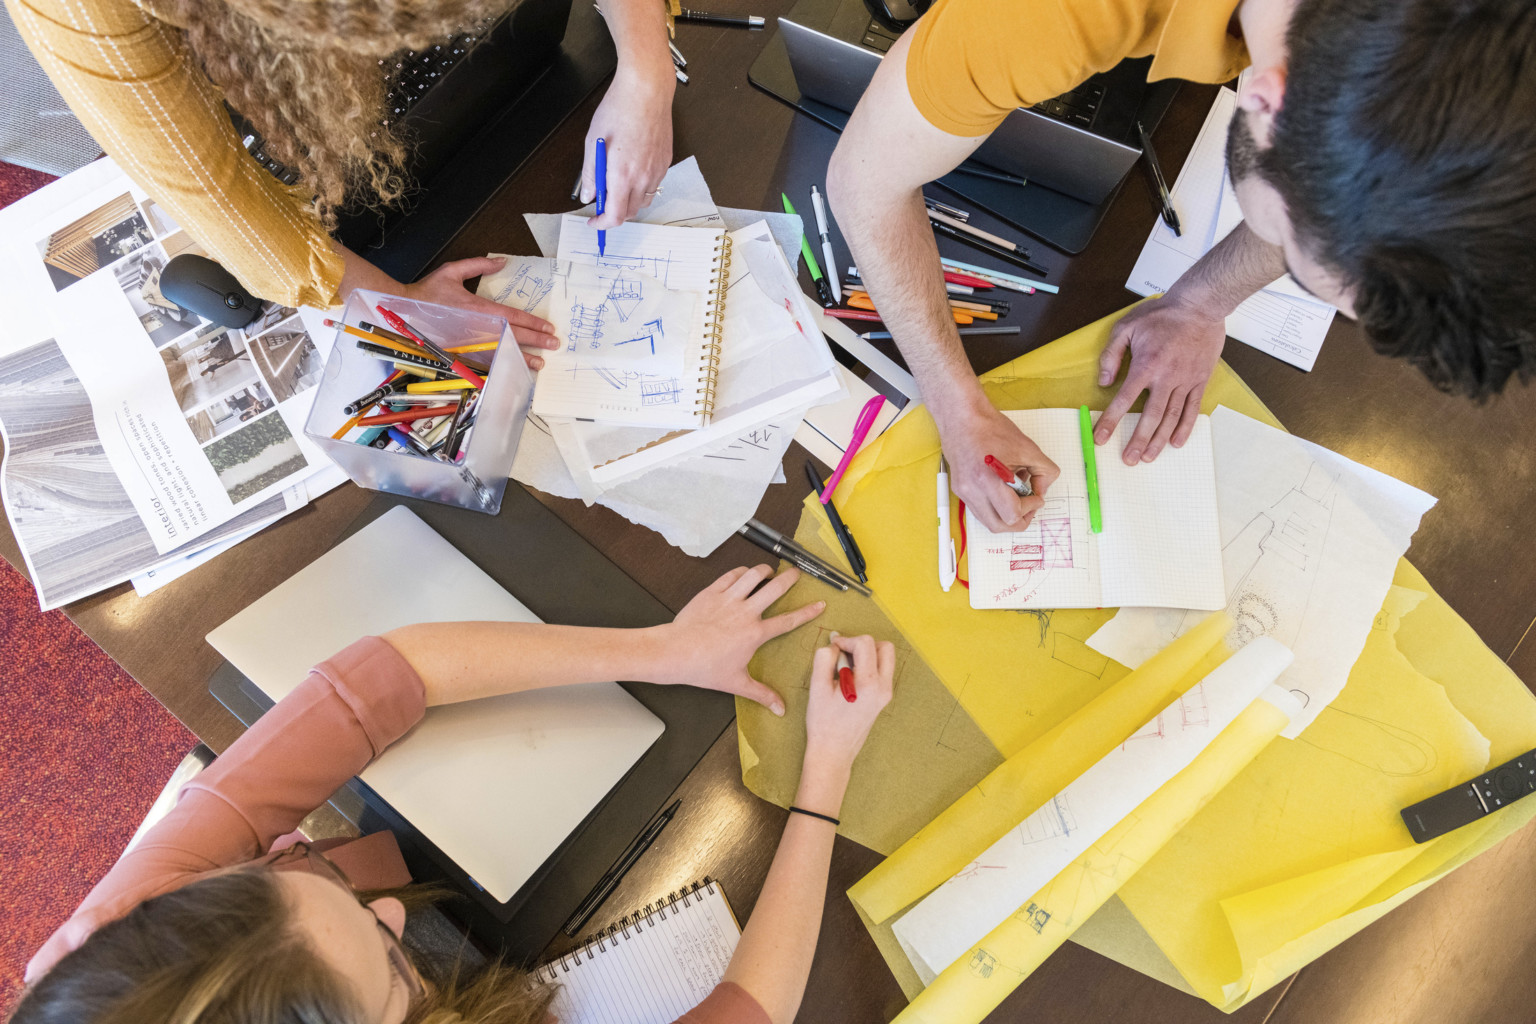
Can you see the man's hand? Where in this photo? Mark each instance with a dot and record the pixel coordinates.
(445, 286)
(1174, 347)
(968, 440)
(635, 121)
(715, 635)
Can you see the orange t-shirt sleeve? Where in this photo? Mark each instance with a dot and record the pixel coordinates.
(972, 62)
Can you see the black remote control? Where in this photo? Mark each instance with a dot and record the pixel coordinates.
(1472, 799)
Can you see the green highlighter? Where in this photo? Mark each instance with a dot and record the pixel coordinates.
(822, 288)
(1090, 463)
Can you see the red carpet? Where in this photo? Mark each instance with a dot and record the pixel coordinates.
(84, 750)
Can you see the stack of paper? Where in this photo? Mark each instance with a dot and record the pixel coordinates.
(140, 439)
(695, 487)
(1282, 319)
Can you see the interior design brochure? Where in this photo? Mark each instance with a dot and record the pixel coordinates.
(200, 423)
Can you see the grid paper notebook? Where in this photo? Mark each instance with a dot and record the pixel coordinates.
(1161, 543)
(650, 968)
(693, 260)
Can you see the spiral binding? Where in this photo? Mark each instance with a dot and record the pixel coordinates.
(637, 922)
(714, 333)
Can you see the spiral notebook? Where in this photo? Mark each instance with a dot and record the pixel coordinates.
(606, 369)
(1160, 546)
(653, 966)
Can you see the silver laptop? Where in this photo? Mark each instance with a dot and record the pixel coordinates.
(1081, 143)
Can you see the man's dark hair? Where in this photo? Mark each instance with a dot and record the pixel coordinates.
(1405, 152)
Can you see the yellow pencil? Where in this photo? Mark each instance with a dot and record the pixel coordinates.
(428, 387)
(479, 346)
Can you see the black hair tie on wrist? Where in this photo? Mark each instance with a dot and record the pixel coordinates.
(816, 814)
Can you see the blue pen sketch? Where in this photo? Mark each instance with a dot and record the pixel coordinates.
(625, 295)
(660, 392)
(587, 323)
(655, 389)
(528, 288)
(653, 330)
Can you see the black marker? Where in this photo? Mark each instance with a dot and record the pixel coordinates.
(748, 21)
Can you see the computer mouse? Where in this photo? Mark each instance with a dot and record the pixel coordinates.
(199, 285)
(897, 15)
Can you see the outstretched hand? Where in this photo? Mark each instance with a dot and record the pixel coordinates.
(445, 286)
(1174, 347)
(716, 633)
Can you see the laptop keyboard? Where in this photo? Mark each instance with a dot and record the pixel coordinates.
(1077, 107)
(410, 75)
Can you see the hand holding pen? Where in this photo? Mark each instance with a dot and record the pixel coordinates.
(835, 728)
(968, 440)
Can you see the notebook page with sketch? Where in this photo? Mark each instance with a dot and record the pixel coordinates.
(650, 968)
(1161, 542)
(592, 377)
(497, 784)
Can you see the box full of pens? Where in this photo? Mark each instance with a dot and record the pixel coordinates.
(422, 400)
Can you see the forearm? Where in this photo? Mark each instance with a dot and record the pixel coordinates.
(898, 262)
(359, 273)
(1234, 269)
(460, 661)
(639, 30)
(773, 959)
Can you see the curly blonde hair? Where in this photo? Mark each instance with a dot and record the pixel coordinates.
(310, 76)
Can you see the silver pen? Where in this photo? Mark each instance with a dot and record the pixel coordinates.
(821, 565)
(796, 558)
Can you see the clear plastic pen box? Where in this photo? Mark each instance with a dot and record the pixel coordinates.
(476, 482)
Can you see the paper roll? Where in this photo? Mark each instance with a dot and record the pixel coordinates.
(1018, 787)
(980, 980)
(943, 926)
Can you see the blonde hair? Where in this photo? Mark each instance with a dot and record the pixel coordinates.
(310, 76)
(220, 951)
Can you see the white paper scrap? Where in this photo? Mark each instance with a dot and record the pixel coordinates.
(1310, 540)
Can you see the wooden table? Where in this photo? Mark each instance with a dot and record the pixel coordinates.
(1453, 952)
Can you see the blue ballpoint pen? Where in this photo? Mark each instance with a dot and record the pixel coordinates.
(602, 191)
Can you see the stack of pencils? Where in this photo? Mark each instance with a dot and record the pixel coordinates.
(966, 305)
(427, 406)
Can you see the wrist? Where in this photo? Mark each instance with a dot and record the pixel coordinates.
(650, 78)
(653, 654)
(823, 782)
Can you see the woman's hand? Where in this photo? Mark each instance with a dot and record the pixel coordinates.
(835, 728)
(635, 122)
(445, 286)
(716, 634)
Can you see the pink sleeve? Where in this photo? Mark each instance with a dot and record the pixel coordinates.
(729, 1003)
(342, 716)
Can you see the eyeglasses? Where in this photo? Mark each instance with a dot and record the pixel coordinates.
(301, 856)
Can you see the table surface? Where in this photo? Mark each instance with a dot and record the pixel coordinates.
(1456, 945)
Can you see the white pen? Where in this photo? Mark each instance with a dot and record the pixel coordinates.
(947, 567)
(820, 206)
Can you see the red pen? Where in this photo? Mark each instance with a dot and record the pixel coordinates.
(1006, 475)
(955, 277)
(458, 364)
(845, 676)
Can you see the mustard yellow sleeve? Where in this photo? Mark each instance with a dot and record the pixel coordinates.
(135, 86)
(972, 62)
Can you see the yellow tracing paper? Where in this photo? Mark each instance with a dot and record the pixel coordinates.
(1305, 846)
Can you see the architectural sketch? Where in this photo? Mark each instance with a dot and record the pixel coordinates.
(1275, 560)
(1190, 711)
(651, 332)
(1053, 820)
(624, 295)
(982, 963)
(659, 391)
(586, 325)
(1036, 916)
(529, 287)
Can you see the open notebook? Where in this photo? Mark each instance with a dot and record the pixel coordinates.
(650, 968)
(497, 784)
(632, 354)
(1161, 542)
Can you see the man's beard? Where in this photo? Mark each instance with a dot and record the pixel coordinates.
(1242, 150)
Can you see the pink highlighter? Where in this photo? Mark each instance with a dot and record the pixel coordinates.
(860, 431)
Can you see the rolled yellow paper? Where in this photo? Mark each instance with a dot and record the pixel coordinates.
(1020, 785)
(974, 985)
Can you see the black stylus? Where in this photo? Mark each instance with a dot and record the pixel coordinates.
(611, 878)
